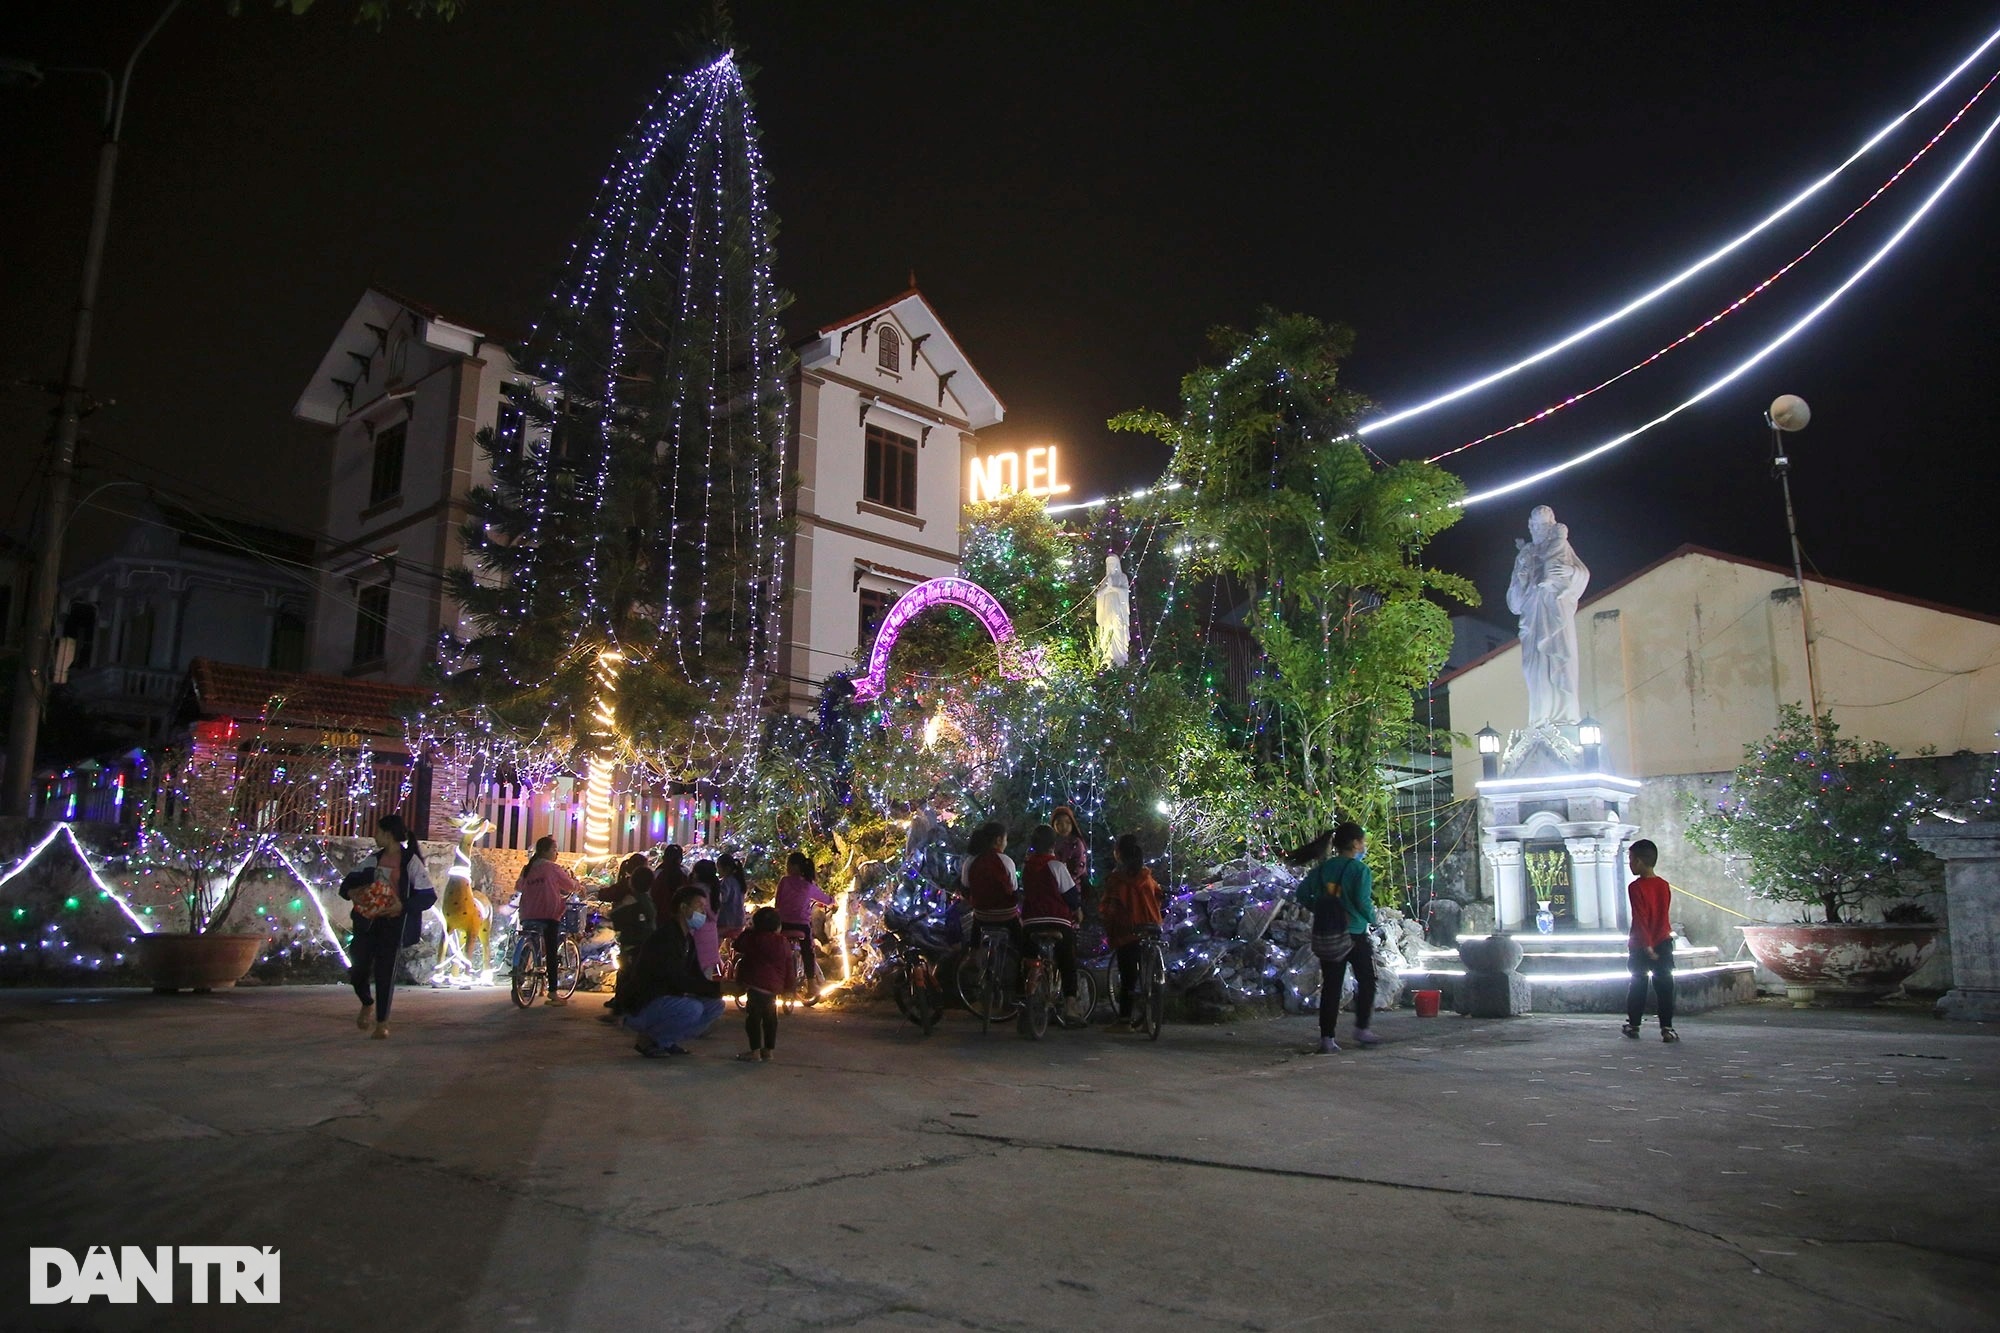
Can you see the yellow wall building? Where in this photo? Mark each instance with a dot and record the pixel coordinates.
(1687, 661)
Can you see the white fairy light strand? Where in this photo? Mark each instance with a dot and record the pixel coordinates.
(1715, 256)
(1744, 367)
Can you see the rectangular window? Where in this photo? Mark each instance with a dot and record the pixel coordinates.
(371, 623)
(288, 641)
(386, 481)
(891, 470)
(874, 605)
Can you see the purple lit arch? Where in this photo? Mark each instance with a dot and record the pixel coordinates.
(947, 591)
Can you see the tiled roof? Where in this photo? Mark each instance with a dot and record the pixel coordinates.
(224, 689)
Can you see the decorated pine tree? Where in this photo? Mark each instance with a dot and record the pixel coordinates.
(628, 554)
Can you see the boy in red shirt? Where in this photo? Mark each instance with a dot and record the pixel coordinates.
(1650, 947)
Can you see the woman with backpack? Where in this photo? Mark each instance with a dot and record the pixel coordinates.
(1340, 892)
(388, 899)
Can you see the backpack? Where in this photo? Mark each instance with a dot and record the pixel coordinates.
(1330, 940)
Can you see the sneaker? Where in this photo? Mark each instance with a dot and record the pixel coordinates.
(1629, 1029)
(1328, 1046)
(647, 1047)
(366, 1016)
(381, 1031)
(764, 1055)
(1666, 1034)
(675, 1048)
(748, 1057)
(555, 999)
(1367, 1037)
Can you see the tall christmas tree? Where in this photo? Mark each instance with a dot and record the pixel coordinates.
(629, 551)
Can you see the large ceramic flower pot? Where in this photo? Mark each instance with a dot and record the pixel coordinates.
(174, 962)
(1840, 964)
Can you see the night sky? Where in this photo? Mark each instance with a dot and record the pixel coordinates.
(1083, 190)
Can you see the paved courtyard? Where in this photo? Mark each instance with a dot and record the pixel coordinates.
(492, 1169)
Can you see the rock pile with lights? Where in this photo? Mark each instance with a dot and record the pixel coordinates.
(1239, 939)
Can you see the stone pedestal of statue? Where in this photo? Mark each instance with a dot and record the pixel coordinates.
(1971, 856)
(1575, 818)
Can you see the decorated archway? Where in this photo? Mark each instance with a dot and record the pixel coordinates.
(947, 591)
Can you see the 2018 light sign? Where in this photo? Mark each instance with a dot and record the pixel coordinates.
(1010, 472)
(948, 591)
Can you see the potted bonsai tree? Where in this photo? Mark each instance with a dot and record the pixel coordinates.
(205, 868)
(232, 798)
(1817, 821)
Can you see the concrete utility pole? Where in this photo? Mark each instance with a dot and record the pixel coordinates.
(31, 680)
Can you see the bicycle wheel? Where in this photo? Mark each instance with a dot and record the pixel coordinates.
(569, 966)
(902, 989)
(1153, 982)
(970, 983)
(527, 977)
(1040, 995)
(994, 968)
(925, 999)
(1086, 994)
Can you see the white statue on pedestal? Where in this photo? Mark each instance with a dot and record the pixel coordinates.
(1548, 583)
(1114, 615)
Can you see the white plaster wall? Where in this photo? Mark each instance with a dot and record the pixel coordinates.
(1688, 663)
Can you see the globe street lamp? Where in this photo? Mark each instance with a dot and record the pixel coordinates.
(1789, 414)
(31, 679)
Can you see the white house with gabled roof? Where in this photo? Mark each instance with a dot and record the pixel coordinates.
(404, 389)
(886, 405)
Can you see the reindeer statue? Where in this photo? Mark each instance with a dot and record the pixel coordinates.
(468, 913)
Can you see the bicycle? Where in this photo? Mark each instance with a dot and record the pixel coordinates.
(981, 978)
(1040, 988)
(917, 988)
(801, 988)
(530, 972)
(1149, 1001)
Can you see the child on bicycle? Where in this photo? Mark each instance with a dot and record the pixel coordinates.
(1131, 904)
(542, 892)
(763, 965)
(988, 880)
(798, 892)
(1050, 900)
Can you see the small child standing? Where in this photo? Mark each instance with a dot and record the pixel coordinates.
(1650, 947)
(763, 965)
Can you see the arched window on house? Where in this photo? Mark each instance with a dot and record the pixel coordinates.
(889, 350)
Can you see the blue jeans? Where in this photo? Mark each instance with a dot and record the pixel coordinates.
(672, 1019)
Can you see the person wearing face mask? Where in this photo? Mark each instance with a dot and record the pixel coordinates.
(672, 1001)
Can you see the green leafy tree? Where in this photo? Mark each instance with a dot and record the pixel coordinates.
(1278, 497)
(1818, 819)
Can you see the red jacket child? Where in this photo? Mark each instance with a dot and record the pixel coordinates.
(764, 960)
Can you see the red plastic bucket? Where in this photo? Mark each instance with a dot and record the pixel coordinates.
(1427, 1002)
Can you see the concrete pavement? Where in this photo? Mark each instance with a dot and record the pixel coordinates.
(489, 1168)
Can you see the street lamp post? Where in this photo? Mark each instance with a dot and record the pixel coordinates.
(38, 627)
(1788, 413)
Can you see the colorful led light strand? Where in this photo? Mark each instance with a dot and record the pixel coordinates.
(1733, 306)
(1745, 366)
(1712, 258)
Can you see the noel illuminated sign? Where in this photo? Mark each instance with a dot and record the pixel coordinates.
(1028, 471)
